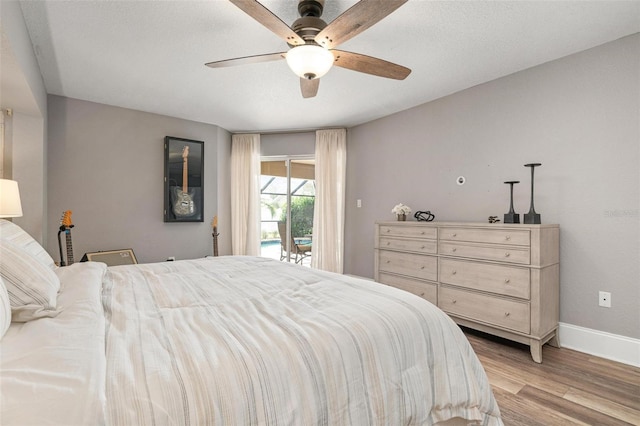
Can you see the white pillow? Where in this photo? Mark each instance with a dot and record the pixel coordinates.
(5, 310)
(9, 231)
(32, 286)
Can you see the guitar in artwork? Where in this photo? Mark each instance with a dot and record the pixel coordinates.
(65, 226)
(183, 205)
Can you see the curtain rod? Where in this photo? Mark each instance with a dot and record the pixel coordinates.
(287, 132)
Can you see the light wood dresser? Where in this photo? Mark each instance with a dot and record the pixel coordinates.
(502, 279)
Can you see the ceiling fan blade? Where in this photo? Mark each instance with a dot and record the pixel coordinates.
(263, 15)
(309, 88)
(355, 20)
(369, 65)
(247, 60)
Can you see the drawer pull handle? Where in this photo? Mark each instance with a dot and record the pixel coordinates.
(506, 314)
(508, 238)
(422, 267)
(507, 254)
(454, 301)
(453, 249)
(454, 272)
(388, 243)
(422, 248)
(421, 294)
(388, 261)
(454, 235)
(388, 230)
(422, 233)
(507, 280)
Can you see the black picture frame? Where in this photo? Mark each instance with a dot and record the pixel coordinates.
(183, 157)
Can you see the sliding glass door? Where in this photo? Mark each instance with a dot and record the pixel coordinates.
(287, 195)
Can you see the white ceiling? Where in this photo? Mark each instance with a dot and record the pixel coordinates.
(150, 55)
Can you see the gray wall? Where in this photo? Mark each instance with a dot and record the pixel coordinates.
(298, 143)
(26, 131)
(28, 157)
(578, 116)
(106, 164)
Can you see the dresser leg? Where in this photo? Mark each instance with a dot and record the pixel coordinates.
(555, 341)
(536, 350)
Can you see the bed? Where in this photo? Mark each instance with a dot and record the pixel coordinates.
(230, 340)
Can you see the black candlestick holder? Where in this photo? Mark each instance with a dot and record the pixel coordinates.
(532, 217)
(512, 216)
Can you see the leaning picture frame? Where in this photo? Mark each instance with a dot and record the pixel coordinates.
(183, 180)
(111, 257)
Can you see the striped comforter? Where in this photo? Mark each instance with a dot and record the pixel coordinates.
(252, 341)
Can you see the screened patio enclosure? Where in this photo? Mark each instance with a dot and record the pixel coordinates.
(287, 196)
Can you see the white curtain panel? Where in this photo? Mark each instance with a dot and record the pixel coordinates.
(1, 143)
(245, 194)
(328, 213)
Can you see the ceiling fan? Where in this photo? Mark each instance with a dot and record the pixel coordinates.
(313, 41)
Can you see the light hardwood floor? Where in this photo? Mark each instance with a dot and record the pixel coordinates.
(568, 388)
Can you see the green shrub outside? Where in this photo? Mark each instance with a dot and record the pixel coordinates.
(301, 216)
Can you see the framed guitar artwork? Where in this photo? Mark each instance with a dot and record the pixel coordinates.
(183, 180)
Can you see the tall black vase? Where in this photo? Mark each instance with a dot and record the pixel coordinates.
(512, 216)
(532, 217)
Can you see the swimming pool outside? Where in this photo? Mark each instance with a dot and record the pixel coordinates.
(271, 249)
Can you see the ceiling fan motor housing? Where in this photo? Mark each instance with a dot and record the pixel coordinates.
(308, 27)
(309, 24)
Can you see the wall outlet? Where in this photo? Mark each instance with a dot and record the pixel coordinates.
(358, 203)
(604, 299)
(171, 258)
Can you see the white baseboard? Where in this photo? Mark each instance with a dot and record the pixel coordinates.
(599, 343)
(358, 276)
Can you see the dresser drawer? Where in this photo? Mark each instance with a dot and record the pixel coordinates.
(508, 254)
(499, 279)
(413, 265)
(426, 290)
(493, 236)
(505, 313)
(420, 246)
(409, 231)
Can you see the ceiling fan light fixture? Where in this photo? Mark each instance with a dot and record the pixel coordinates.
(309, 61)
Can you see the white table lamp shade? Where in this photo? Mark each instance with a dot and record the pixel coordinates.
(9, 199)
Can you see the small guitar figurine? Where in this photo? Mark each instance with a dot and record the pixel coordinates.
(65, 226)
(214, 234)
(183, 205)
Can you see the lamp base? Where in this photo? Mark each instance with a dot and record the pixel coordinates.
(532, 218)
(511, 218)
